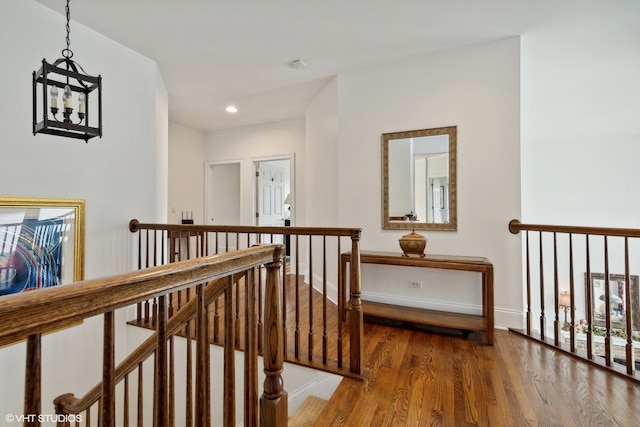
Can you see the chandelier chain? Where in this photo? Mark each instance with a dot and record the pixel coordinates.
(68, 53)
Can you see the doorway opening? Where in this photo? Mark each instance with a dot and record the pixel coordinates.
(273, 196)
(273, 192)
(224, 201)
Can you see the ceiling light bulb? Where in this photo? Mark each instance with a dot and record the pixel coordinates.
(231, 109)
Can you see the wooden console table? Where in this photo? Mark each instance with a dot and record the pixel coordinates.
(464, 322)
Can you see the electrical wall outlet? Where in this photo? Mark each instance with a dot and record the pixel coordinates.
(415, 284)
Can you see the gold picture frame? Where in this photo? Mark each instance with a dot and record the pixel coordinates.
(41, 243)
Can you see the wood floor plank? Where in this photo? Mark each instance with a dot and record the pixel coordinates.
(423, 378)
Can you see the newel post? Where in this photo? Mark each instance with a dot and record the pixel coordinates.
(355, 311)
(273, 402)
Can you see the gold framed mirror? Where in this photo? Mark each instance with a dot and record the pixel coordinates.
(419, 179)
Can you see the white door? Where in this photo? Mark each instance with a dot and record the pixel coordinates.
(270, 188)
(224, 194)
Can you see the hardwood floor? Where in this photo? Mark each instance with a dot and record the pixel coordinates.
(422, 378)
(434, 377)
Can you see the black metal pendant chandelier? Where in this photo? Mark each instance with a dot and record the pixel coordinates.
(76, 87)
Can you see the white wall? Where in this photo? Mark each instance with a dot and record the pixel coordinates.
(261, 142)
(340, 183)
(162, 149)
(580, 138)
(321, 174)
(116, 175)
(580, 120)
(477, 90)
(186, 173)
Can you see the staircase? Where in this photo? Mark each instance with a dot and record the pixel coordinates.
(309, 412)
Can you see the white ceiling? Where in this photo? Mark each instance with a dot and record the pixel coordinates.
(212, 53)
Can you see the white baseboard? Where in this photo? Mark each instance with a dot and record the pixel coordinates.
(503, 318)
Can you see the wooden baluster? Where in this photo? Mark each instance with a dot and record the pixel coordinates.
(296, 338)
(356, 333)
(202, 413)
(229, 388)
(608, 354)
(32, 387)
(207, 366)
(341, 300)
(154, 313)
(163, 238)
(529, 314)
(325, 343)
(250, 352)
(139, 305)
(273, 402)
(125, 404)
(284, 304)
(260, 322)
(146, 250)
(140, 396)
(108, 416)
(237, 311)
(572, 299)
(588, 292)
(171, 392)
(310, 310)
(541, 270)
(216, 321)
(189, 376)
(147, 303)
(173, 246)
(155, 247)
(628, 310)
(556, 294)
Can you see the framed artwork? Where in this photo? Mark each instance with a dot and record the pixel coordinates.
(617, 300)
(41, 243)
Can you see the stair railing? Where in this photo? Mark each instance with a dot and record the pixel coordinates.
(582, 292)
(316, 332)
(29, 315)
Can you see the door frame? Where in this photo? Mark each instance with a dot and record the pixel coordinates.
(207, 187)
(292, 181)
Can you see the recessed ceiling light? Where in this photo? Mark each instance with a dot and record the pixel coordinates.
(298, 64)
(231, 109)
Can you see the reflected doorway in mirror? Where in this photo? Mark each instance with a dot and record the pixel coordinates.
(419, 179)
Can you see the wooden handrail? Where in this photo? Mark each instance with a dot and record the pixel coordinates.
(135, 225)
(22, 315)
(515, 226)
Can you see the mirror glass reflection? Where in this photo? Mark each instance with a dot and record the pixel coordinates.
(419, 171)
